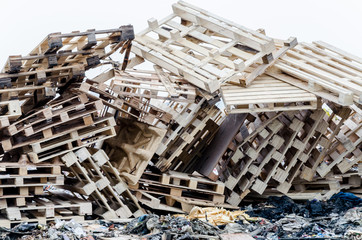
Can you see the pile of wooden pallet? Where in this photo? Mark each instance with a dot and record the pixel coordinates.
(226, 114)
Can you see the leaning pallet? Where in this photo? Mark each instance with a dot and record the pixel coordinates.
(234, 47)
(203, 125)
(92, 182)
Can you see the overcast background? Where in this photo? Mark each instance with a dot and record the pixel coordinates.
(24, 23)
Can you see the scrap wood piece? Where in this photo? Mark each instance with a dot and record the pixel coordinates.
(57, 49)
(331, 72)
(187, 204)
(266, 94)
(232, 47)
(165, 79)
(132, 148)
(98, 187)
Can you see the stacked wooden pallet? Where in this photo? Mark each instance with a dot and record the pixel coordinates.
(42, 120)
(225, 113)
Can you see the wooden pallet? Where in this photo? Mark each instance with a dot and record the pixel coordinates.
(128, 107)
(202, 127)
(176, 184)
(54, 109)
(266, 94)
(45, 149)
(59, 49)
(149, 84)
(81, 115)
(205, 67)
(132, 148)
(348, 145)
(94, 183)
(36, 79)
(48, 206)
(82, 119)
(185, 180)
(181, 113)
(332, 124)
(320, 67)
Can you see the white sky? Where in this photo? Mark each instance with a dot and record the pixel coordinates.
(24, 23)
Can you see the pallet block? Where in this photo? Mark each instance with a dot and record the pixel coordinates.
(9, 112)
